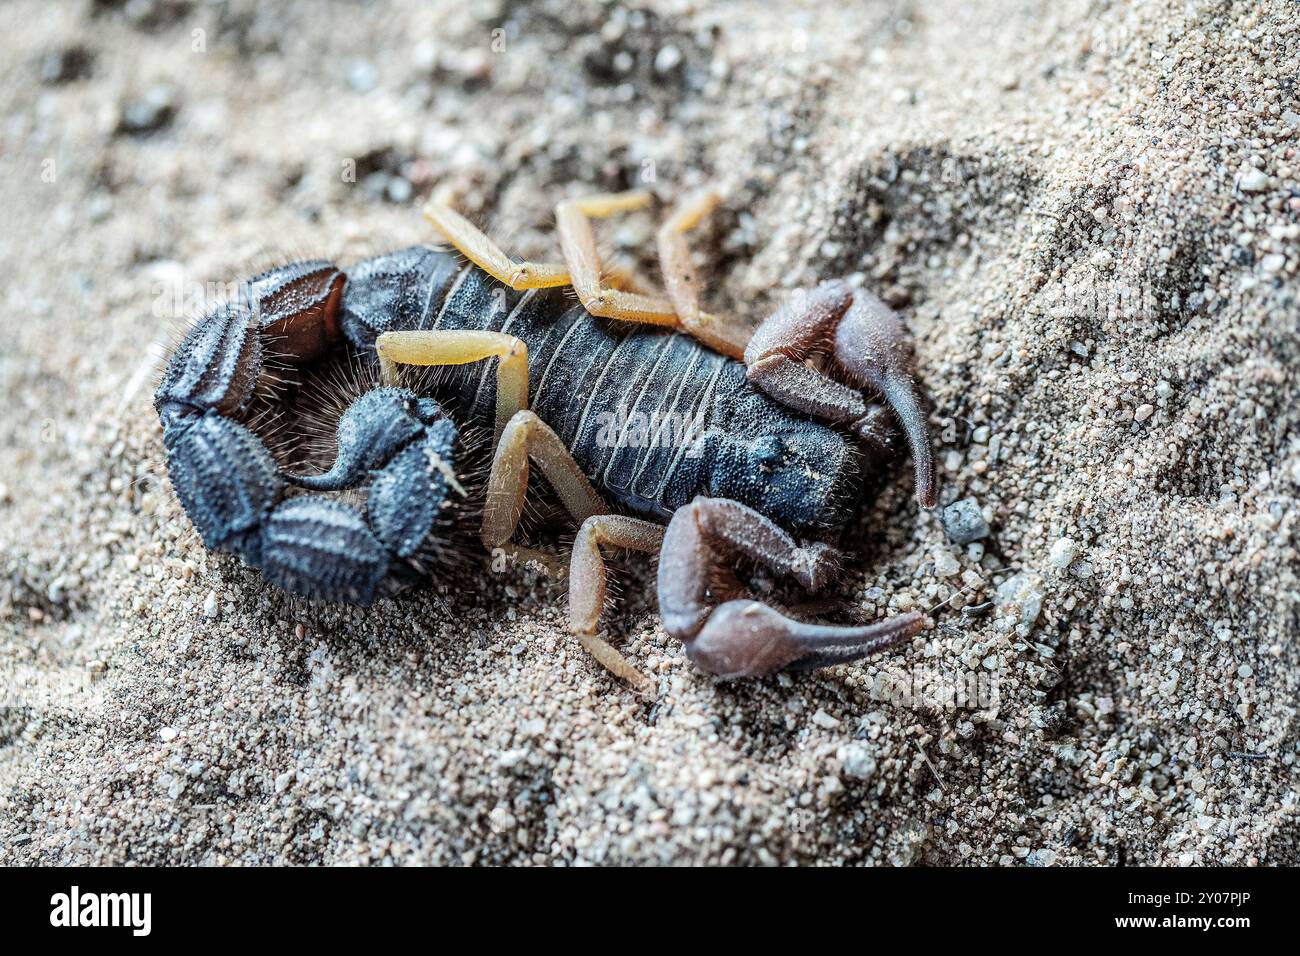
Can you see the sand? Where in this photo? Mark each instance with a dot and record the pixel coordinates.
(1087, 214)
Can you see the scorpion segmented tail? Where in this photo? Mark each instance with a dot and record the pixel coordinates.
(239, 498)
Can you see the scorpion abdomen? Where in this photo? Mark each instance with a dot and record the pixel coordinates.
(652, 417)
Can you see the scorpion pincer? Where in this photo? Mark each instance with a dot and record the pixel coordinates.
(773, 465)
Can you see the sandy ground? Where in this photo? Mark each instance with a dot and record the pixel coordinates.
(1087, 213)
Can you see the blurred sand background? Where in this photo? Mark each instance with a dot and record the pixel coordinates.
(1087, 213)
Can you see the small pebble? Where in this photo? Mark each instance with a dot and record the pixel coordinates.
(363, 76)
(150, 113)
(858, 762)
(824, 720)
(1063, 553)
(1021, 598)
(66, 65)
(168, 734)
(1252, 180)
(963, 522)
(667, 59)
(945, 565)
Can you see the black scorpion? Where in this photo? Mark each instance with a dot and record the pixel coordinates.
(772, 461)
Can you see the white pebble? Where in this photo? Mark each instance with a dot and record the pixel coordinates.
(1065, 550)
(168, 734)
(1021, 597)
(945, 565)
(1252, 180)
(210, 609)
(824, 720)
(667, 58)
(859, 762)
(1143, 412)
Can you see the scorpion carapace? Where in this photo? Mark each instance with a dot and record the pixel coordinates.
(630, 411)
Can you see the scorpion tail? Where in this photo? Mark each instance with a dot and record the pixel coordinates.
(235, 492)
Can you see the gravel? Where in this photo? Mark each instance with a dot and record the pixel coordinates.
(963, 522)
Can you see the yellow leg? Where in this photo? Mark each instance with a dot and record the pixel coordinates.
(529, 439)
(526, 437)
(611, 293)
(682, 282)
(486, 254)
(625, 278)
(587, 584)
(460, 347)
(578, 244)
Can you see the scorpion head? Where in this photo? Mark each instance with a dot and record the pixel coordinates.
(803, 473)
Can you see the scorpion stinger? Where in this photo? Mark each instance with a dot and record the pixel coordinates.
(235, 492)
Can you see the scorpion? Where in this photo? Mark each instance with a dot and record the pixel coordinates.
(791, 419)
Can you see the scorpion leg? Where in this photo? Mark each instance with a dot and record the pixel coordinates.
(578, 244)
(868, 346)
(587, 585)
(460, 347)
(470, 241)
(526, 437)
(703, 605)
(682, 282)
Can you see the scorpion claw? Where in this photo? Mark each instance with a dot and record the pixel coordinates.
(741, 637)
(747, 639)
(870, 348)
(873, 347)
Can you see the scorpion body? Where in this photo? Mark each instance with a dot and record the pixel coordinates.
(739, 442)
(735, 457)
